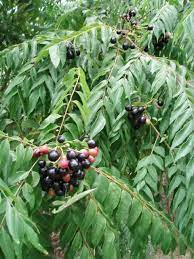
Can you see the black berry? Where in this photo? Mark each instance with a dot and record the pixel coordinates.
(141, 109)
(150, 28)
(56, 186)
(78, 52)
(53, 155)
(81, 157)
(113, 40)
(80, 175)
(86, 164)
(73, 164)
(125, 45)
(62, 171)
(75, 182)
(142, 120)
(48, 181)
(60, 192)
(160, 103)
(61, 139)
(65, 187)
(71, 154)
(43, 171)
(132, 46)
(42, 163)
(133, 13)
(70, 54)
(134, 111)
(91, 143)
(128, 108)
(52, 172)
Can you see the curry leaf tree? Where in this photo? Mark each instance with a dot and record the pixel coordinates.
(139, 193)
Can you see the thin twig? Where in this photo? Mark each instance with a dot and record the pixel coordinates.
(68, 104)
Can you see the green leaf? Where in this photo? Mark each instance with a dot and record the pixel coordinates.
(72, 200)
(122, 212)
(54, 55)
(13, 222)
(98, 125)
(112, 199)
(135, 212)
(108, 249)
(6, 244)
(90, 215)
(98, 229)
(32, 237)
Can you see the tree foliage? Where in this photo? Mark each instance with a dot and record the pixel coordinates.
(142, 180)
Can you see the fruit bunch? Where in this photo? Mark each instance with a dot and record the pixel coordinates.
(127, 16)
(71, 51)
(61, 172)
(136, 116)
(163, 40)
(126, 44)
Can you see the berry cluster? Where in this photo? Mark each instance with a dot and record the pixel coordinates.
(62, 173)
(135, 115)
(163, 40)
(127, 16)
(71, 51)
(126, 44)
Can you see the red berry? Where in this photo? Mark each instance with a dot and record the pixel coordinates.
(85, 152)
(91, 159)
(63, 163)
(93, 152)
(36, 153)
(44, 150)
(67, 178)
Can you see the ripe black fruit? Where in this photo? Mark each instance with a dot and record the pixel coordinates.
(56, 186)
(125, 45)
(65, 187)
(53, 155)
(150, 27)
(70, 54)
(91, 143)
(132, 46)
(80, 175)
(75, 182)
(135, 111)
(86, 164)
(61, 139)
(52, 172)
(81, 157)
(62, 171)
(73, 164)
(160, 103)
(48, 181)
(60, 193)
(42, 163)
(71, 154)
(128, 108)
(43, 171)
(77, 52)
(113, 40)
(141, 109)
(133, 13)
(142, 120)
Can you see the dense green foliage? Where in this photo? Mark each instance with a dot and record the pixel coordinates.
(143, 179)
